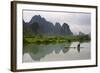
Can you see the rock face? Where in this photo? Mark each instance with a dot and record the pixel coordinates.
(57, 29)
(39, 25)
(66, 30)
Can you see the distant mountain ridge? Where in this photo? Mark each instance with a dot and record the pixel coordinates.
(39, 25)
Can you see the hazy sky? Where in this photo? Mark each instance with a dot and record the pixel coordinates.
(78, 22)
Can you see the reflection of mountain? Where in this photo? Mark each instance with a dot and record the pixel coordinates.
(39, 25)
(37, 52)
(65, 50)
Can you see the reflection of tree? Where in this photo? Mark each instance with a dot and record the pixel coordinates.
(37, 52)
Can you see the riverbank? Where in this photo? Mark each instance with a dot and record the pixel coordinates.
(54, 39)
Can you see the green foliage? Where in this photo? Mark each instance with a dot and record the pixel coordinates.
(39, 39)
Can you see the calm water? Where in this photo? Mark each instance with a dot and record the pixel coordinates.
(56, 52)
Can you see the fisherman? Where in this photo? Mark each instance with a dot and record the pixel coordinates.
(78, 47)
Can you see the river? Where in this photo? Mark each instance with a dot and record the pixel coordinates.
(56, 52)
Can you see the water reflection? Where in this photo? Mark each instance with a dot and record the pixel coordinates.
(38, 52)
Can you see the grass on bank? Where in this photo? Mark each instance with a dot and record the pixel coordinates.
(54, 39)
